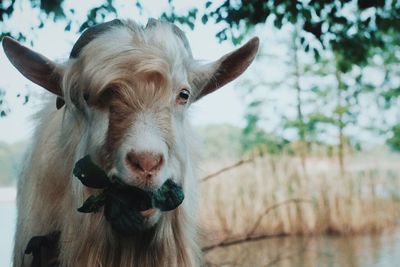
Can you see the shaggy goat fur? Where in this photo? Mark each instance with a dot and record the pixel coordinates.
(120, 93)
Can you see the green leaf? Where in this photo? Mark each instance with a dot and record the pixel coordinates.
(204, 19)
(340, 109)
(90, 174)
(93, 204)
(169, 196)
(68, 27)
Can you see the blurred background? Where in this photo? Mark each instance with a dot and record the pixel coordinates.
(301, 163)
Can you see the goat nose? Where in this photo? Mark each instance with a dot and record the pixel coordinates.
(144, 164)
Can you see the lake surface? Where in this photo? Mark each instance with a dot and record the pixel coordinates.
(380, 250)
(7, 228)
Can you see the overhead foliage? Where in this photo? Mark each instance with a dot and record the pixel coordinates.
(55, 10)
(350, 27)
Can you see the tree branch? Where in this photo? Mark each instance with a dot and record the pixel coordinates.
(249, 236)
(271, 208)
(243, 239)
(237, 164)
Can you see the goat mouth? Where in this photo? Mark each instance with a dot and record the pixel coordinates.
(127, 208)
(148, 213)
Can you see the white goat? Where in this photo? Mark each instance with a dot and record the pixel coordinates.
(122, 98)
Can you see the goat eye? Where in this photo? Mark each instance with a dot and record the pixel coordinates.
(103, 100)
(183, 96)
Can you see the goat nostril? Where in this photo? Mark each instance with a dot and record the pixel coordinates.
(146, 162)
(137, 165)
(133, 161)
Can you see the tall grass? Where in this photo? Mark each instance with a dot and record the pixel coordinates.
(276, 196)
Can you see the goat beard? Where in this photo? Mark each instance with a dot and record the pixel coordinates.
(123, 204)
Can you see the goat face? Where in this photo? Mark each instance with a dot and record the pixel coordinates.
(129, 88)
(136, 99)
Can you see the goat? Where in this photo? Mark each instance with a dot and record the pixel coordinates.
(122, 98)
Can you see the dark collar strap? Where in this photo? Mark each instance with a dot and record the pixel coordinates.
(44, 250)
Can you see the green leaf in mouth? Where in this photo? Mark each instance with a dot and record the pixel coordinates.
(90, 174)
(169, 196)
(93, 203)
(123, 203)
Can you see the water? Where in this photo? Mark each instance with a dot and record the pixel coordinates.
(380, 250)
(7, 228)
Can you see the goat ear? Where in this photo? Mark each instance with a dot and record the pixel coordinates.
(34, 66)
(227, 68)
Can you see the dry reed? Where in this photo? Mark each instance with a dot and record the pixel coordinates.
(276, 196)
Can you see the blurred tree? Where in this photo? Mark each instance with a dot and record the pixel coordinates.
(354, 31)
(388, 89)
(394, 140)
(254, 140)
(221, 141)
(323, 95)
(299, 122)
(335, 97)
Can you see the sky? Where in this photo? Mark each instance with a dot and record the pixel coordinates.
(223, 106)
